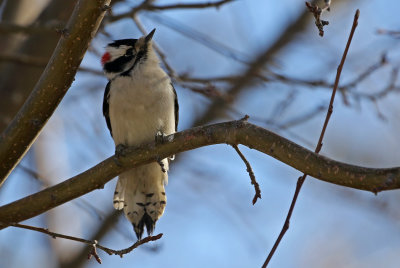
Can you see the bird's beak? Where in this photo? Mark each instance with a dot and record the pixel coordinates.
(150, 36)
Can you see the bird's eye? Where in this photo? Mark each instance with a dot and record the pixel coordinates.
(129, 52)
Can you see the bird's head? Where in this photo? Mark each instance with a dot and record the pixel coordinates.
(125, 55)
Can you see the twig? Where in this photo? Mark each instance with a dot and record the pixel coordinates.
(216, 4)
(137, 244)
(92, 243)
(394, 34)
(218, 106)
(301, 179)
(8, 28)
(317, 12)
(40, 62)
(107, 223)
(147, 5)
(254, 182)
(208, 90)
(383, 61)
(93, 252)
(24, 59)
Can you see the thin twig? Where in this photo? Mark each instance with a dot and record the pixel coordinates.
(93, 252)
(301, 179)
(137, 244)
(254, 182)
(317, 12)
(39, 62)
(92, 243)
(147, 5)
(216, 4)
(394, 34)
(51, 27)
(24, 59)
(255, 68)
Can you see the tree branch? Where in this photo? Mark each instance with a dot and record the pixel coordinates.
(107, 224)
(318, 148)
(233, 132)
(147, 5)
(317, 12)
(24, 59)
(52, 86)
(92, 243)
(253, 180)
(254, 70)
(8, 28)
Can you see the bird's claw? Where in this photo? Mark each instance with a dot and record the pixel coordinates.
(160, 137)
(120, 151)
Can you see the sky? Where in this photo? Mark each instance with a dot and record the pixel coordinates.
(209, 220)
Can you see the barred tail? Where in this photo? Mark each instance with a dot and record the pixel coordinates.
(140, 193)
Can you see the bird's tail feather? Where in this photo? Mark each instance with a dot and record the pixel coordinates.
(140, 193)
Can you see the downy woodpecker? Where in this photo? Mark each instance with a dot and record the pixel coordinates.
(139, 103)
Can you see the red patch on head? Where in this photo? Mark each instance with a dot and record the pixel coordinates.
(106, 57)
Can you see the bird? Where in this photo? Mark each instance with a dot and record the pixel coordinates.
(140, 105)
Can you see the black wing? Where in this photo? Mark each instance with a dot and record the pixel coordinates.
(106, 108)
(176, 108)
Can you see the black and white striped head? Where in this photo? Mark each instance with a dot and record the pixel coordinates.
(123, 56)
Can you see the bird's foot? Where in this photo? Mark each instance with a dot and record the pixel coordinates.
(160, 137)
(120, 151)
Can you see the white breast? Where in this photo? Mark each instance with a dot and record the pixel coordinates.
(140, 105)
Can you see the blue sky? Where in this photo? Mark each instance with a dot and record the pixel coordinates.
(209, 220)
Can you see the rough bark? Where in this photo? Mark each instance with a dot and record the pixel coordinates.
(234, 132)
(53, 84)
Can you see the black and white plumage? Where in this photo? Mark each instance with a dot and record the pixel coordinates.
(139, 102)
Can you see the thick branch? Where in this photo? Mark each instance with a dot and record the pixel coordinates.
(233, 132)
(52, 86)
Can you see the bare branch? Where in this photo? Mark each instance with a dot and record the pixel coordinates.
(52, 86)
(40, 62)
(301, 179)
(394, 34)
(24, 59)
(219, 105)
(251, 174)
(137, 244)
(53, 26)
(216, 4)
(233, 132)
(92, 243)
(317, 12)
(93, 253)
(147, 5)
(107, 224)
